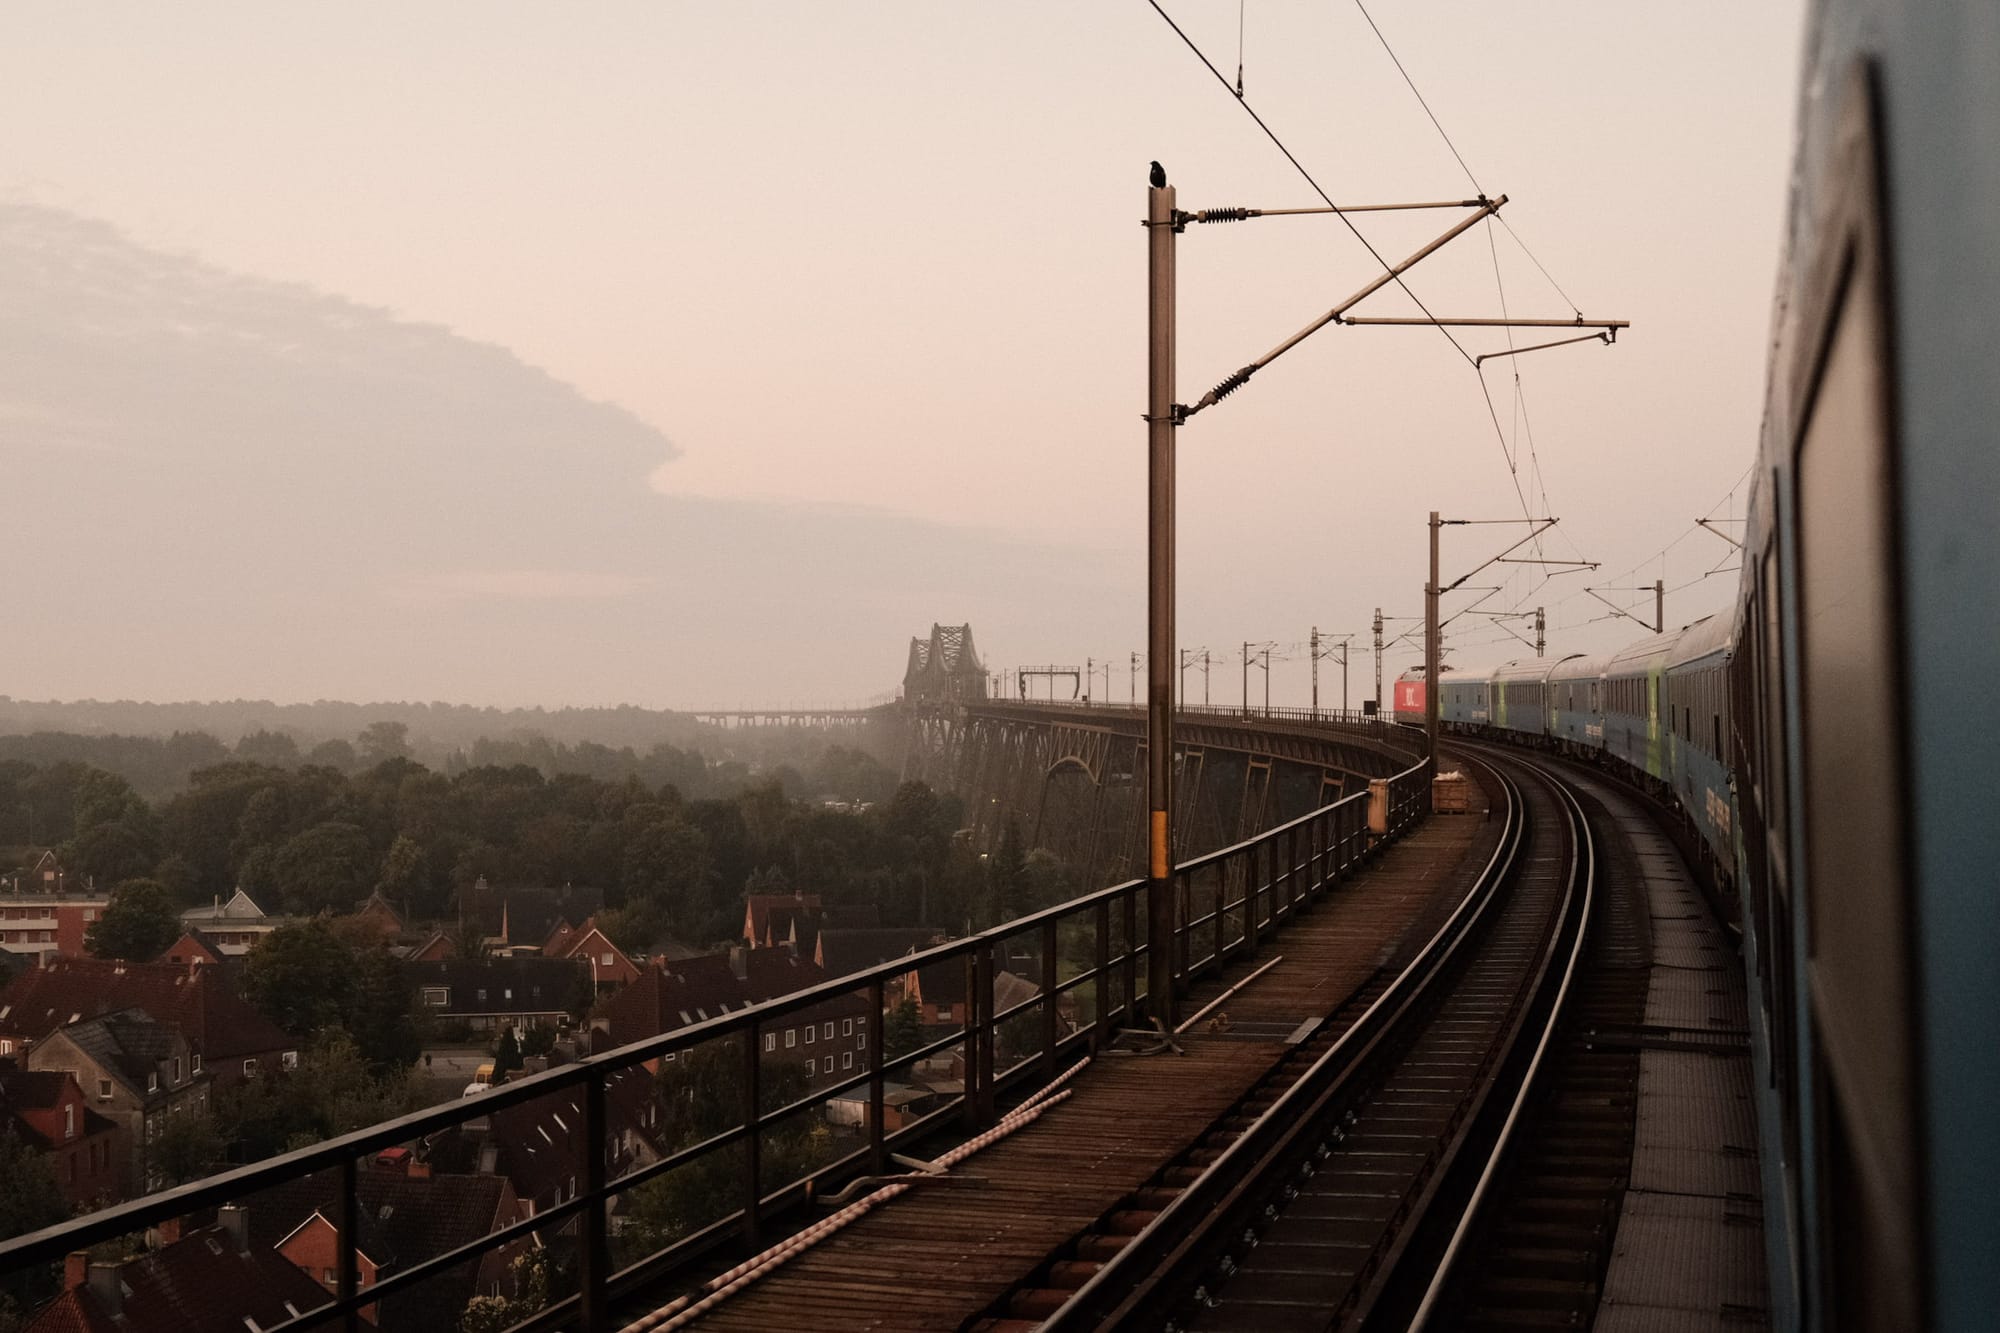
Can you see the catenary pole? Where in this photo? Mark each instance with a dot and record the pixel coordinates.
(1161, 649)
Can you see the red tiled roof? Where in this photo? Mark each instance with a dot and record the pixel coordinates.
(191, 999)
(661, 1000)
(200, 1282)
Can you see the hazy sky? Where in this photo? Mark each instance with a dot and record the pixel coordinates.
(701, 354)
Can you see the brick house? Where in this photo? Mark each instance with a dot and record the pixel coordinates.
(235, 925)
(211, 1278)
(828, 1041)
(231, 1038)
(407, 1215)
(51, 1115)
(45, 910)
(609, 967)
(137, 1073)
(494, 993)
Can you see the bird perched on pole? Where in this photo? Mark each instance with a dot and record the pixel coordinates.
(1159, 176)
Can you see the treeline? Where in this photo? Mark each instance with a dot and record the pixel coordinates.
(805, 763)
(441, 724)
(315, 839)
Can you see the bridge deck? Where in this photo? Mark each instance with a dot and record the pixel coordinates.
(935, 1257)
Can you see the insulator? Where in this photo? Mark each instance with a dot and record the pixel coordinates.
(1224, 214)
(1234, 382)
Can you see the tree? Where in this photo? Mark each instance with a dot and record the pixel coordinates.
(1007, 874)
(379, 1015)
(506, 1055)
(531, 1274)
(187, 1148)
(469, 942)
(268, 747)
(903, 1031)
(123, 848)
(406, 871)
(337, 754)
(138, 925)
(329, 867)
(30, 1199)
(301, 977)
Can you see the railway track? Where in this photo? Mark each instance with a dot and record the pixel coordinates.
(1327, 1197)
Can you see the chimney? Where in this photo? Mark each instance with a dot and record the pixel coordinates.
(76, 1267)
(104, 1284)
(234, 1218)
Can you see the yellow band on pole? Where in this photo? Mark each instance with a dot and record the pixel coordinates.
(1160, 868)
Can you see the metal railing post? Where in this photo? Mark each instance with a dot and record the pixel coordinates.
(1049, 944)
(753, 1141)
(1132, 959)
(987, 1033)
(1103, 973)
(1221, 904)
(877, 1112)
(593, 1260)
(347, 1212)
(1255, 872)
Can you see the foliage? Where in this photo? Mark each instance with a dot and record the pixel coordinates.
(506, 1055)
(333, 1091)
(301, 977)
(188, 1147)
(1007, 876)
(902, 1030)
(305, 977)
(29, 1196)
(530, 1276)
(138, 925)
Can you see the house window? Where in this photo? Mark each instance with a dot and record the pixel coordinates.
(177, 1069)
(104, 1090)
(605, 961)
(829, 1029)
(507, 994)
(288, 1060)
(482, 995)
(846, 1027)
(811, 1032)
(437, 997)
(197, 1062)
(791, 1038)
(250, 1065)
(69, 1129)
(770, 1041)
(812, 1067)
(861, 1040)
(847, 1060)
(6, 1047)
(153, 1082)
(944, 1013)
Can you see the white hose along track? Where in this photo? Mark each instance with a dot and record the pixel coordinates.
(683, 1310)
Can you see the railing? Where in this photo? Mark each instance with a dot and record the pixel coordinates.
(1227, 904)
(1378, 726)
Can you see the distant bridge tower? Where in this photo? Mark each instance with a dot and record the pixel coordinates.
(944, 669)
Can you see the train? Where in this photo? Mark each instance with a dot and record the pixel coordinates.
(1831, 739)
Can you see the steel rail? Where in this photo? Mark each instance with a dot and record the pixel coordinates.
(1586, 844)
(1124, 1284)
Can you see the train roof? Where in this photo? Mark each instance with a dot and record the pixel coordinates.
(1685, 644)
(1579, 667)
(1532, 668)
(1708, 635)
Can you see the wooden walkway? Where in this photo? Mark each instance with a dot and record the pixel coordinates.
(935, 1257)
